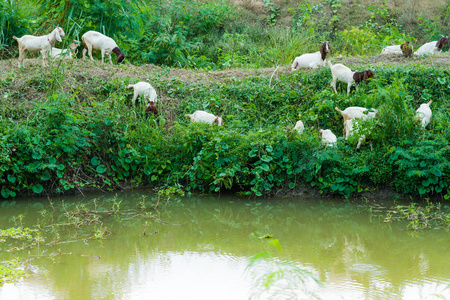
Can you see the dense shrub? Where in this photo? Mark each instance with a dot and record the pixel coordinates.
(218, 34)
(89, 136)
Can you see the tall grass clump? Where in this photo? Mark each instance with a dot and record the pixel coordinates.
(13, 21)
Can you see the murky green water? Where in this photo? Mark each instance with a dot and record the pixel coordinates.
(200, 248)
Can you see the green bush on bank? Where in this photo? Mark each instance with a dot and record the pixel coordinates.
(89, 136)
(219, 34)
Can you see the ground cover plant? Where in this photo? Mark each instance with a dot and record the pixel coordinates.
(222, 34)
(81, 132)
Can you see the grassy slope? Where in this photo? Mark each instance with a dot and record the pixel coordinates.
(98, 91)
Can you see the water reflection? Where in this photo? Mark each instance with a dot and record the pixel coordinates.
(206, 256)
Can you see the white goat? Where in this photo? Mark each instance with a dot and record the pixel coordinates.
(423, 114)
(96, 40)
(354, 112)
(205, 117)
(434, 47)
(145, 90)
(44, 43)
(346, 75)
(299, 126)
(392, 50)
(312, 60)
(350, 130)
(328, 137)
(63, 53)
(406, 49)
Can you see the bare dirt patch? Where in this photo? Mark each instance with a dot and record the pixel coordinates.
(79, 71)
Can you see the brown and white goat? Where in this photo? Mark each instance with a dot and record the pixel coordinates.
(339, 72)
(44, 43)
(407, 49)
(434, 47)
(145, 90)
(96, 40)
(312, 60)
(204, 117)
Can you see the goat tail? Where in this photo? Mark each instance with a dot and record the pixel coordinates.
(84, 43)
(429, 102)
(336, 108)
(188, 115)
(130, 86)
(16, 38)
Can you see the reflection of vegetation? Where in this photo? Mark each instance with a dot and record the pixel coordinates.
(11, 271)
(275, 279)
(63, 223)
(429, 216)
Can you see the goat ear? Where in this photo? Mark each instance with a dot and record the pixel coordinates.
(58, 37)
(365, 75)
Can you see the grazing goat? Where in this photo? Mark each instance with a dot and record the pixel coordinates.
(205, 117)
(145, 90)
(299, 126)
(350, 130)
(356, 112)
(346, 75)
(434, 47)
(328, 137)
(407, 49)
(63, 53)
(44, 43)
(392, 50)
(312, 60)
(423, 114)
(96, 40)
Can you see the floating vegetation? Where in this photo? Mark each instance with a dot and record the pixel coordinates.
(429, 216)
(62, 223)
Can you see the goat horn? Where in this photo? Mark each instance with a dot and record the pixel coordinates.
(429, 102)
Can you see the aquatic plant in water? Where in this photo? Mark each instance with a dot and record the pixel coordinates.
(272, 278)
